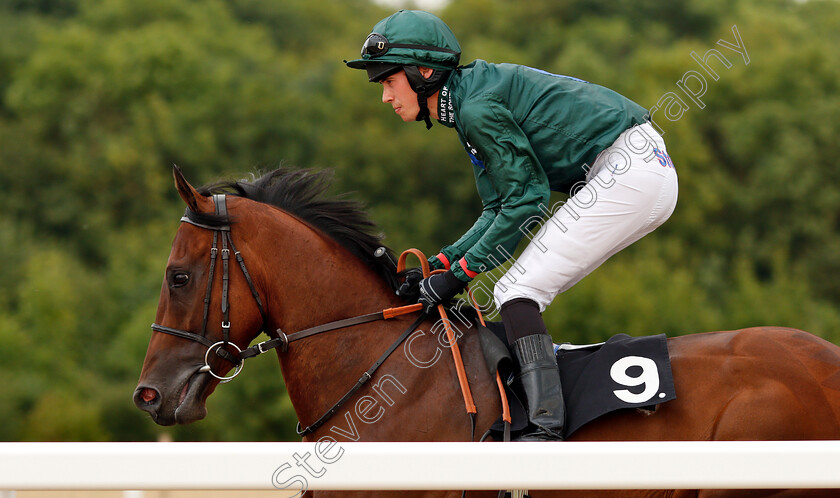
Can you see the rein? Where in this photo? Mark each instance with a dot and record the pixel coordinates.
(363, 379)
(283, 340)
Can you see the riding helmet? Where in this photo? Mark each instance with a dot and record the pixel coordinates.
(407, 40)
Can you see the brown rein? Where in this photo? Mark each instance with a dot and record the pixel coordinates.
(283, 339)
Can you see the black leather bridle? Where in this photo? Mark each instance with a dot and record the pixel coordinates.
(223, 232)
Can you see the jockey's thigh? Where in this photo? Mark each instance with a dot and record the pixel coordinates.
(630, 190)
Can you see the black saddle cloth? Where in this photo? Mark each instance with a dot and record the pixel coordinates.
(623, 372)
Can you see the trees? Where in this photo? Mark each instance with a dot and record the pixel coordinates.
(99, 97)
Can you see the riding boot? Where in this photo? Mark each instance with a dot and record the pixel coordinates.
(540, 380)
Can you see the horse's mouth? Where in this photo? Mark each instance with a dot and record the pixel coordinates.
(191, 403)
(176, 406)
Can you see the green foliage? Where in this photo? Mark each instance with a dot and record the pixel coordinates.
(98, 98)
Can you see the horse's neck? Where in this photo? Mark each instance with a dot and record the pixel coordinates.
(313, 280)
(317, 282)
(414, 395)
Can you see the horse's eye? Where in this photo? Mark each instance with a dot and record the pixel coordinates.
(180, 279)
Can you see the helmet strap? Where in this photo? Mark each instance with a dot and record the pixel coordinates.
(424, 114)
(425, 88)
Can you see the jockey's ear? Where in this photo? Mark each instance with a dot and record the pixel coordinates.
(425, 71)
(190, 195)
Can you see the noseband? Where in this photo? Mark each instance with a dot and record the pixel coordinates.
(223, 232)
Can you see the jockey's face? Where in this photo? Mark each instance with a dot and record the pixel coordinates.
(397, 92)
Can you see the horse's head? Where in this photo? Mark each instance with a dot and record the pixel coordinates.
(310, 260)
(209, 309)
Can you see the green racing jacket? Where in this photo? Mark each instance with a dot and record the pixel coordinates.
(528, 132)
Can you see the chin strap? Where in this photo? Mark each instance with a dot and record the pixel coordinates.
(424, 115)
(425, 88)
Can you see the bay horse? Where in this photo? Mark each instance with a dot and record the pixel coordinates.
(309, 262)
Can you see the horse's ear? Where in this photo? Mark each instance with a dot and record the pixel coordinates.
(189, 194)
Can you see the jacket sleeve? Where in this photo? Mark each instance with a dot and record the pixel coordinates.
(490, 202)
(517, 179)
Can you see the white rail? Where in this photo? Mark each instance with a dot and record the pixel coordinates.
(415, 466)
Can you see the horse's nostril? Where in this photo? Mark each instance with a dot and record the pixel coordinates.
(147, 398)
(148, 395)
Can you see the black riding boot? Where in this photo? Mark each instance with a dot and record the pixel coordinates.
(540, 380)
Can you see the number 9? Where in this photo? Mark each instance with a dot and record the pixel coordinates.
(649, 377)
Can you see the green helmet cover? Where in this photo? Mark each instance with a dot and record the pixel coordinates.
(431, 43)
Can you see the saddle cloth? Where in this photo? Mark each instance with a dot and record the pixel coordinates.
(623, 372)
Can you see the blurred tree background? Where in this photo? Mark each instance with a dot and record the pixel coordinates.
(98, 98)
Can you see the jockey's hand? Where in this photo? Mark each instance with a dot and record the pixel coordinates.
(439, 288)
(410, 289)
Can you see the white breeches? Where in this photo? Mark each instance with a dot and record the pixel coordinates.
(630, 190)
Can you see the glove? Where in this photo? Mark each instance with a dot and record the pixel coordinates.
(439, 288)
(409, 290)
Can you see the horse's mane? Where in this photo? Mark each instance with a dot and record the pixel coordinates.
(302, 193)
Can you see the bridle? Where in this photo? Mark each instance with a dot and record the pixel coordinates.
(282, 340)
(221, 231)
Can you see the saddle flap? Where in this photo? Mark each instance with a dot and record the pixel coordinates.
(496, 352)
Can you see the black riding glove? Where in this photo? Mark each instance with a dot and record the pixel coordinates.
(410, 289)
(439, 288)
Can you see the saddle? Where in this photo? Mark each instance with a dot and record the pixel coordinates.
(622, 373)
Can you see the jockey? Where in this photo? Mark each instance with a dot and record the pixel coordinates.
(527, 133)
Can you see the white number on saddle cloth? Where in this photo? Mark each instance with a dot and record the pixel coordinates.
(649, 377)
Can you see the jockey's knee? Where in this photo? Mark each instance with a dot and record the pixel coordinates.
(506, 292)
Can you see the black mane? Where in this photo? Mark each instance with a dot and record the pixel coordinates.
(302, 193)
